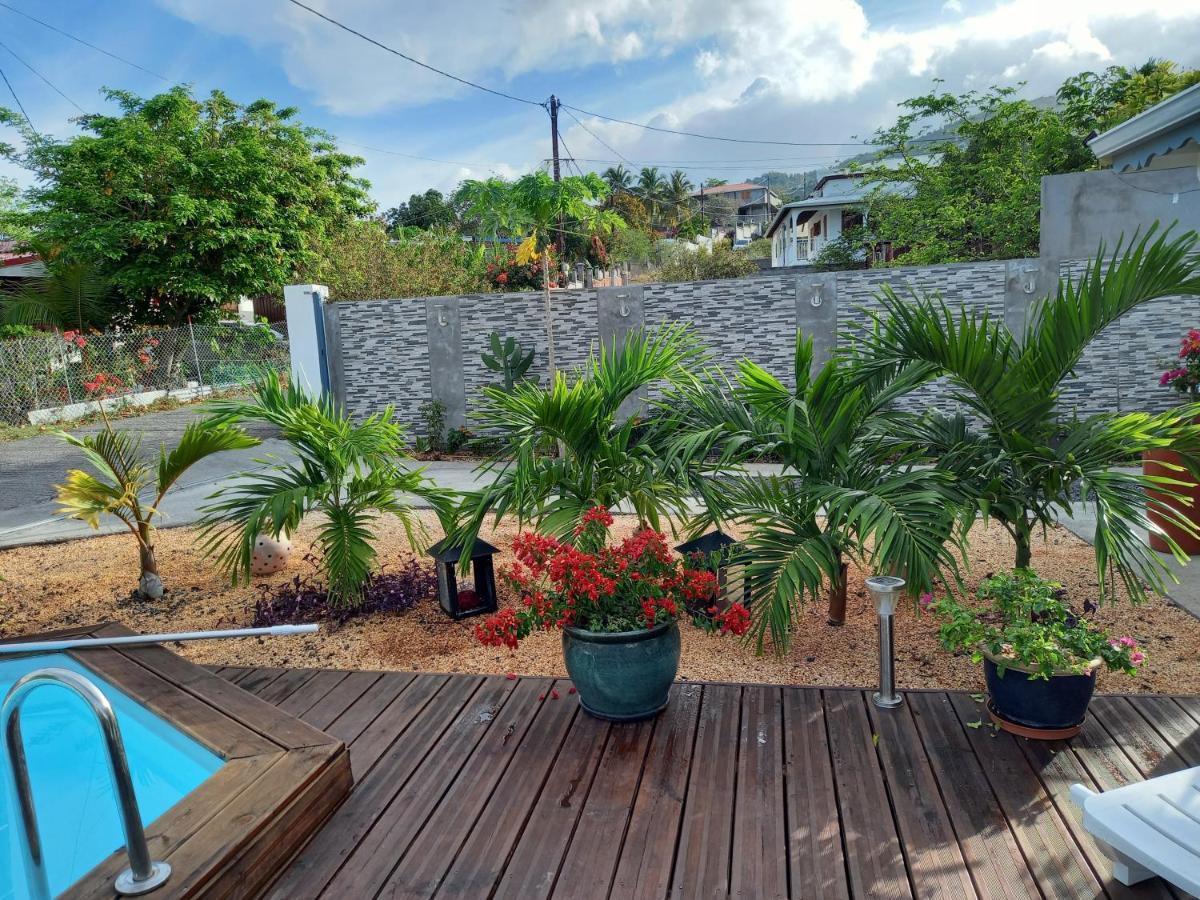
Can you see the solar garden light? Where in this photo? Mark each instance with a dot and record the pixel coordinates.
(885, 590)
(473, 595)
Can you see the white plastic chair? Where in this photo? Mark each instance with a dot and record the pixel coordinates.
(1150, 828)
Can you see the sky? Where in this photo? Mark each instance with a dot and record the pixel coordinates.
(822, 74)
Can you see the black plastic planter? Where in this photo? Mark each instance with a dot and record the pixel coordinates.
(1051, 708)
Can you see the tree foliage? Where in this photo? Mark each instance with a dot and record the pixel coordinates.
(427, 210)
(183, 204)
(1093, 102)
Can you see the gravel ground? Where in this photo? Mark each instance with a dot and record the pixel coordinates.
(88, 581)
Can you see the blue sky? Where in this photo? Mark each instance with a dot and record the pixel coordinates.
(763, 69)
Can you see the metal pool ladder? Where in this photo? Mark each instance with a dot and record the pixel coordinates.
(143, 874)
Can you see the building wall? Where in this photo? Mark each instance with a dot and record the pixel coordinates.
(406, 352)
(1082, 210)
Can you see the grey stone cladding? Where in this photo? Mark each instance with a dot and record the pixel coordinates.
(385, 352)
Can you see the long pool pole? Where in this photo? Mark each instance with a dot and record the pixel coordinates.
(126, 640)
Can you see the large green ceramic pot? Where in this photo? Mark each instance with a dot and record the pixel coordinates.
(626, 676)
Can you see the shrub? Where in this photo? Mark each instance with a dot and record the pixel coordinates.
(504, 273)
(721, 261)
(1026, 623)
(633, 585)
(1184, 376)
(361, 262)
(305, 599)
(759, 248)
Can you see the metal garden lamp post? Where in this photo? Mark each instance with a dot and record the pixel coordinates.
(885, 591)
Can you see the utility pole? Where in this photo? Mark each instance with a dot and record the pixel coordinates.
(557, 173)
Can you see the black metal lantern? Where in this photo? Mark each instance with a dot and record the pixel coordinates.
(471, 597)
(719, 553)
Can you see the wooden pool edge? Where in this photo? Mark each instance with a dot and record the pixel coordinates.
(234, 834)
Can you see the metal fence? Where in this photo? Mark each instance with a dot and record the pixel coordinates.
(52, 371)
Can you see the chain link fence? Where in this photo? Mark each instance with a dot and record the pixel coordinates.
(48, 375)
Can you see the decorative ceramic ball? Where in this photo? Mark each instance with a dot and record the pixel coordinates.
(270, 555)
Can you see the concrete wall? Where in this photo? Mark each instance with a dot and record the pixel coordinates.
(406, 352)
(1081, 210)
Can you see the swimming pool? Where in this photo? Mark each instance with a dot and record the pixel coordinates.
(72, 787)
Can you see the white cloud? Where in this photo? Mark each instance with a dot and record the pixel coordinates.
(781, 69)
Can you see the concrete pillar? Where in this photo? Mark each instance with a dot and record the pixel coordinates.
(444, 325)
(620, 310)
(1026, 281)
(816, 313)
(245, 310)
(304, 306)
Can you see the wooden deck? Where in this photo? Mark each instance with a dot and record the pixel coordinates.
(469, 786)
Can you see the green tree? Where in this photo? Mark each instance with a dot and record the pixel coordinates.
(1022, 464)
(13, 211)
(976, 194)
(651, 188)
(617, 178)
(533, 206)
(1093, 102)
(427, 210)
(183, 204)
(72, 295)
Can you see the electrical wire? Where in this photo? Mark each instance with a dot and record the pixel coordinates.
(414, 60)
(733, 140)
(80, 40)
(20, 105)
(51, 84)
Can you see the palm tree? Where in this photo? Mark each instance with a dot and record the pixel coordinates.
(539, 204)
(349, 473)
(650, 187)
(121, 477)
(618, 179)
(606, 457)
(846, 490)
(1017, 459)
(679, 192)
(71, 295)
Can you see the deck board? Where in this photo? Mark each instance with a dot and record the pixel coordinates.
(469, 786)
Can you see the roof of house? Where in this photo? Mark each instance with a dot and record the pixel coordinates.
(728, 188)
(1163, 128)
(9, 256)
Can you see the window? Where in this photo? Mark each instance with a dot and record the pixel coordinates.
(745, 195)
(816, 227)
(802, 247)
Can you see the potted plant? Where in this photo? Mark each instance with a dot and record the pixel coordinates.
(1040, 658)
(618, 608)
(1184, 378)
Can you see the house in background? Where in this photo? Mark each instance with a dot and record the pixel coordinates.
(17, 268)
(755, 205)
(800, 229)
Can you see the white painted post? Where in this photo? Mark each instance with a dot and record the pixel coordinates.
(246, 310)
(306, 335)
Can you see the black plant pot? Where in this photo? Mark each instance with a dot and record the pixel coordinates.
(1047, 709)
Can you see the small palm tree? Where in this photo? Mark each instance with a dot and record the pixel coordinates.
(679, 192)
(1019, 461)
(617, 178)
(121, 482)
(847, 490)
(71, 295)
(348, 473)
(606, 457)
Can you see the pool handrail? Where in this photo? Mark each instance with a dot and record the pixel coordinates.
(143, 874)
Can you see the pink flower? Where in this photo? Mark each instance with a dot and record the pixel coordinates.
(926, 600)
(1136, 657)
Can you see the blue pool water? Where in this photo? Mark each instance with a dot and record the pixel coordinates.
(72, 788)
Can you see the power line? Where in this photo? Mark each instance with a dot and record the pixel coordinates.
(733, 140)
(413, 60)
(53, 87)
(20, 105)
(597, 138)
(80, 40)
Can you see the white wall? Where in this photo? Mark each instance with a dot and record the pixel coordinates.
(304, 333)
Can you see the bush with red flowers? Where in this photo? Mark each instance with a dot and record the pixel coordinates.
(504, 273)
(589, 584)
(1184, 376)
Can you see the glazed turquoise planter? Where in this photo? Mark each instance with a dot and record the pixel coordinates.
(626, 676)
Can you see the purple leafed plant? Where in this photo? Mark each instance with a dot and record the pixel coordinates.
(305, 599)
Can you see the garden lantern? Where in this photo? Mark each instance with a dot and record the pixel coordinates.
(718, 554)
(885, 590)
(473, 595)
